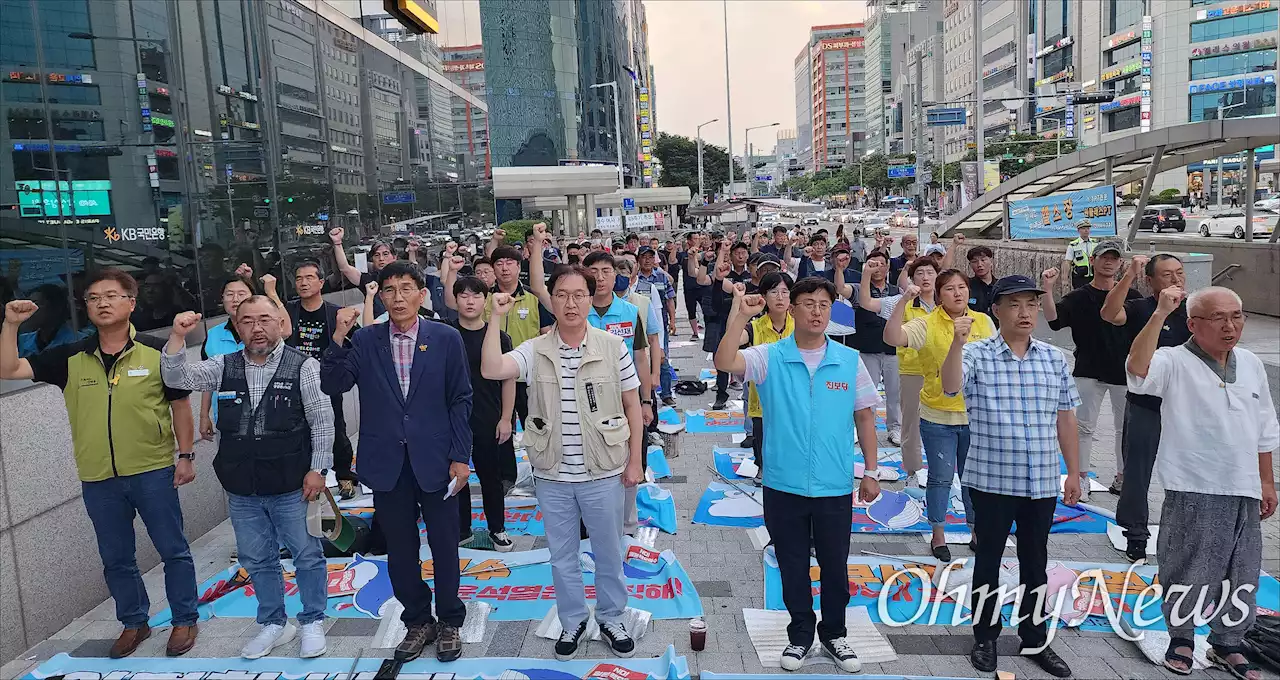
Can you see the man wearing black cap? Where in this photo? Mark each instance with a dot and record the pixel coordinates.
(1101, 348)
(1021, 402)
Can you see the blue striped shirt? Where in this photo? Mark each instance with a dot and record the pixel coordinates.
(1013, 406)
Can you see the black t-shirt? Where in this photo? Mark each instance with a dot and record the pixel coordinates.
(870, 326)
(50, 366)
(486, 395)
(722, 301)
(312, 335)
(980, 296)
(1101, 348)
(365, 279)
(1137, 313)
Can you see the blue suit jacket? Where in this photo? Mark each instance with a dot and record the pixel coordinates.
(432, 425)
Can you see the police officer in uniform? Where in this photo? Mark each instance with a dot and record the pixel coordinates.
(1079, 253)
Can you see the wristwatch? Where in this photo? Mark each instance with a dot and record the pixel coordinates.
(191, 456)
(871, 474)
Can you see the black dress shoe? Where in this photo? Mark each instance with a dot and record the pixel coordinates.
(1051, 663)
(942, 553)
(983, 656)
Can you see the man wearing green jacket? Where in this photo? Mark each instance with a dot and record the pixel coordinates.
(123, 424)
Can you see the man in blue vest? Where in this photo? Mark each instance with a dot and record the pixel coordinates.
(816, 395)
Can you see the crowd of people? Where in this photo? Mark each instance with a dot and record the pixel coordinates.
(452, 349)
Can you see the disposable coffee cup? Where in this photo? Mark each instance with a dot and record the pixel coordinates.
(697, 634)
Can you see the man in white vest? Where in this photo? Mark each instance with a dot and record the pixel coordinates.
(584, 436)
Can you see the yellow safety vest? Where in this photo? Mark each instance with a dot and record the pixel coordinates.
(522, 322)
(1081, 251)
(763, 333)
(909, 359)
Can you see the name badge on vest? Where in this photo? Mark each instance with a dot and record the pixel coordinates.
(622, 329)
(523, 313)
(284, 384)
(841, 386)
(659, 286)
(139, 372)
(229, 394)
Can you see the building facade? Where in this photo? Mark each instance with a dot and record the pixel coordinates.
(804, 110)
(465, 66)
(958, 72)
(892, 27)
(542, 59)
(830, 121)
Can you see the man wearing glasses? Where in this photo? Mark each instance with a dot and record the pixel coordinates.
(115, 399)
(415, 441)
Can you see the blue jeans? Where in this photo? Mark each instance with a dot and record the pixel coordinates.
(945, 449)
(598, 505)
(666, 374)
(262, 524)
(112, 504)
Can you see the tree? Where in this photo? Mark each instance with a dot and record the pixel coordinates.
(679, 157)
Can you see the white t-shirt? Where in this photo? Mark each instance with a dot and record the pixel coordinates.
(1211, 431)
(573, 466)
(818, 265)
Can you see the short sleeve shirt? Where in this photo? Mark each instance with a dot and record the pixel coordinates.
(757, 358)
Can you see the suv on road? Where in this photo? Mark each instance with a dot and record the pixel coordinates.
(1158, 219)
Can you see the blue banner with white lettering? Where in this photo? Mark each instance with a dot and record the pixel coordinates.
(1059, 215)
(517, 584)
(656, 507)
(669, 666)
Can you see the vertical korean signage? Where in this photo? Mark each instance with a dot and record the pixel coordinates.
(646, 137)
(1070, 120)
(144, 102)
(1145, 80)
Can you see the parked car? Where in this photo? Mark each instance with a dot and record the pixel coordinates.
(1163, 218)
(1232, 223)
(810, 222)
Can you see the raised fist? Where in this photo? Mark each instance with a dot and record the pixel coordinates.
(371, 289)
(346, 321)
(843, 260)
(962, 327)
(751, 305)
(450, 248)
(722, 270)
(1050, 276)
(1139, 263)
(912, 292)
(268, 282)
(1170, 298)
(18, 311)
(502, 303)
(739, 289)
(184, 322)
(244, 271)
(335, 236)
(413, 246)
(456, 262)
(538, 236)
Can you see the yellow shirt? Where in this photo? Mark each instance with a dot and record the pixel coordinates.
(931, 337)
(908, 358)
(763, 333)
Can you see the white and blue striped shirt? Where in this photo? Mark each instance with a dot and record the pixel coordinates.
(1013, 406)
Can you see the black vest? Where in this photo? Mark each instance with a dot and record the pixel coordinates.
(870, 336)
(264, 451)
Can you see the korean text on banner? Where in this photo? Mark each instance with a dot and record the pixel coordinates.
(1057, 216)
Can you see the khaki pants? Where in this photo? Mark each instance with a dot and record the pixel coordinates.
(910, 401)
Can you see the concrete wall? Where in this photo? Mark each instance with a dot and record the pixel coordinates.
(50, 572)
(1257, 280)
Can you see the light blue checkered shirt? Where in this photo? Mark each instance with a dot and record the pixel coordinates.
(1013, 417)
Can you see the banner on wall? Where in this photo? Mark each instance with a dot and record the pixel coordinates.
(669, 666)
(1124, 591)
(990, 174)
(517, 584)
(1056, 216)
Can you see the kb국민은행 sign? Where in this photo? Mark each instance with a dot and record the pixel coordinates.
(1058, 215)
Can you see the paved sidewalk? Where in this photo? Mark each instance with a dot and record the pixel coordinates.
(728, 573)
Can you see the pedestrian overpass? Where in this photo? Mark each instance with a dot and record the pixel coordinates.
(1120, 161)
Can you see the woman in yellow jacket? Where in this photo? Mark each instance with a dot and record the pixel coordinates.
(775, 324)
(944, 424)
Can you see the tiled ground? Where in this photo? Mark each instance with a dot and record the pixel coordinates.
(729, 576)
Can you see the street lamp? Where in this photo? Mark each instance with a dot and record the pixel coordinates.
(728, 98)
(702, 192)
(746, 153)
(617, 126)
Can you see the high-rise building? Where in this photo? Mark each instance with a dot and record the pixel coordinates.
(542, 59)
(892, 27)
(787, 154)
(465, 66)
(829, 97)
(925, 58)
(958, 72)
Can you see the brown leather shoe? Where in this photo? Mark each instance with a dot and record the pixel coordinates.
(128, 641)
(181, 640)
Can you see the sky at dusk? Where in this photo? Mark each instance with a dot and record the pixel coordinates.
(686, 49)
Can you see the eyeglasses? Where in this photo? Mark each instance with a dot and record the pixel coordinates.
(1236, 318)
(779, 293)
(578, 297)
(265, 322)
(405, 291)
(811, 306)
(235, 296)
(109, 298)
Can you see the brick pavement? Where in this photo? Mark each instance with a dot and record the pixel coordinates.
(728, 573)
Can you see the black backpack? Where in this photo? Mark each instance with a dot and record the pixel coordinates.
(690, 388)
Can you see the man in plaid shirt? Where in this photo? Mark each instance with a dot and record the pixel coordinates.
(1021, 401)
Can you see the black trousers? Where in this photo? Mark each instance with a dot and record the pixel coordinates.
(343, 454)
(1142, 438)
(1080, 276)
(398, 511)
(757, 440)
(486, 456)
(507, 457)
(794, 523)
(994, 517)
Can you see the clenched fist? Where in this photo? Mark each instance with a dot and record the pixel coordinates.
(1170, 298)
(335, 236)
(502, 303)
(268, 282)
(184, 322)
(1049, 276)
(963, 325)
(1139, 263)
(18, 311)
(911, 292)
(346, 321)
(371, 289)
(750, 305)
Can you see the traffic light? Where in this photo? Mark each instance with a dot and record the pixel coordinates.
(288, 199)
(266, 201)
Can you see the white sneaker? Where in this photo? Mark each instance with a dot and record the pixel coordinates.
(793, 657)
(501, 542)
(269, 637)
(313, 644)
(895, 437)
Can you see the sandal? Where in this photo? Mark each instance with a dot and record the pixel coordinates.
(1218, 656)
(1171, 656)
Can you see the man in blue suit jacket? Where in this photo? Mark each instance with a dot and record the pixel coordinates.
(415, 441)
